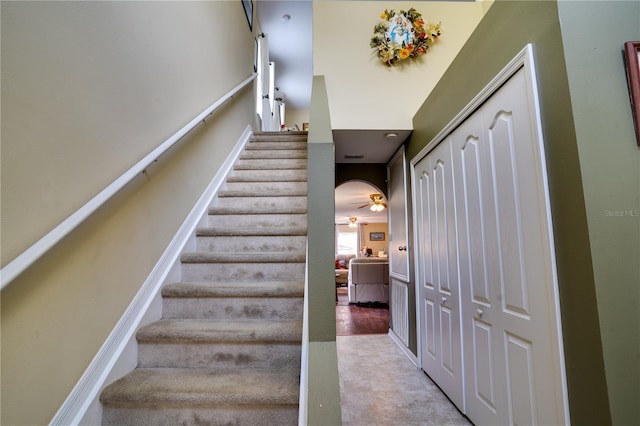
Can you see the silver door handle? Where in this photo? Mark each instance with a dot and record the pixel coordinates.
(402, 248)
(444, 300)
(480, 312)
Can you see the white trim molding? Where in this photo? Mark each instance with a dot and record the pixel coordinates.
(87, 389)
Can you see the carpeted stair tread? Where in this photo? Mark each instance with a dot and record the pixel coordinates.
(208, 331)
(265, 209)
(278, 136)
(249, 231)
(277, 145)
(271, 164)
(267, 178)
(284, 257)
(197, 387)
(274, 192)
(235, 289)
(257, 154)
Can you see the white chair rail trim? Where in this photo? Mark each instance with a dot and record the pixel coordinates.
(33, 253)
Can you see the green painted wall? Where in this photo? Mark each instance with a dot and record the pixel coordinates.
(372, 173)
(324, 386)
(506, 28)
(610, 167)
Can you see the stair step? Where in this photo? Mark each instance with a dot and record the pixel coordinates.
(264, 189)
(263, 289)
(251, 239)
(252, 231)
(272, 192)
(251, 243)
(279, 136)
(273, 186)
(273, 308)
(299, 208)
(296, 175)
(220, 344)
(252, 258)
(264, 204)
(256, 220)
(203, 331)
(254, 154)
(292, 145)
(270, 164)
(248, 268)
(169, 396)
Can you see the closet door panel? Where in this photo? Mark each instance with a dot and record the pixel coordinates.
(528, 325)
(438, 253)
(427, 269)
(520, 383)
(483, 369)
(479, 274)
(507, 199)
(430, 335)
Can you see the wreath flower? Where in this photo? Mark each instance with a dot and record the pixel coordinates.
(402, 35)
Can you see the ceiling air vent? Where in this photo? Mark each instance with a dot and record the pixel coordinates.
(354, 156)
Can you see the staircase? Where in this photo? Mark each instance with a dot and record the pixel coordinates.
(227, 349)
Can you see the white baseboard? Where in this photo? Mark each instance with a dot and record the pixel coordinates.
(404, 349)
(118, 355)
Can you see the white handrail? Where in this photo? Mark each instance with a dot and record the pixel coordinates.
(29, 256)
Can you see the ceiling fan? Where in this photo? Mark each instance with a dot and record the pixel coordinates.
(377, 203)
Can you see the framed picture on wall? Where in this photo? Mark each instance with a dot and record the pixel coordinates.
(632, 59)
(376, 236)
(248, 10)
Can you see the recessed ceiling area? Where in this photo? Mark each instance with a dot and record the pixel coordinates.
(353, 200)
(367, 146)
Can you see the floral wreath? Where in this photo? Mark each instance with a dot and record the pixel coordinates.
(402, 35)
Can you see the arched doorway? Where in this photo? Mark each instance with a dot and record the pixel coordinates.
(360, 231)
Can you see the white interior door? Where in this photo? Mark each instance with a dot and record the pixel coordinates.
(439, 304)
(397, 210)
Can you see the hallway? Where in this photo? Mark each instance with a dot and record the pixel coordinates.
(380, 386)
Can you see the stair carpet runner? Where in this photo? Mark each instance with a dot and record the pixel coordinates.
(227, 349)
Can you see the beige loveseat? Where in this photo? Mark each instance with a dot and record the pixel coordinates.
(368, 280)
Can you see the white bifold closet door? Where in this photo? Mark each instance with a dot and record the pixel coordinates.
(439, 296)
(485, 264)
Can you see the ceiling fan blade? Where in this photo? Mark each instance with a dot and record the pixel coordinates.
(363, 206)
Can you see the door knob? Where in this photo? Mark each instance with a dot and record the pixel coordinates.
(402, 248)
(444, 300)
(480, 312)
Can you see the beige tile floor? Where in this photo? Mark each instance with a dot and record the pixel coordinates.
(380, 386)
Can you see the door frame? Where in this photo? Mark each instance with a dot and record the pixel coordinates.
(524, 59)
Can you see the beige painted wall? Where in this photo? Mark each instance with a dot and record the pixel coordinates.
(89, 88)
(363, 93)
(376, 246)
(296, 116)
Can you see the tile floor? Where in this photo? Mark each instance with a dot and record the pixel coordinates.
(380, 386)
